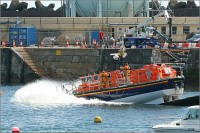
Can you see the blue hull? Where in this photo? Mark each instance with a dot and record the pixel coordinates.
(112, 94)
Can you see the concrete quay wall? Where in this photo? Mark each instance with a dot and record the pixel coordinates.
(68, 64)
(64, 64)
(14, 70)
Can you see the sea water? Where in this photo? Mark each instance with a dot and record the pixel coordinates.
(44, 106)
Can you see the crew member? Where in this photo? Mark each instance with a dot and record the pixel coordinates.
(104, 79)
(121, 53)
(126, 70)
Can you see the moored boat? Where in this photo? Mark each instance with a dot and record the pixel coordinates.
(190, 123)
(141, 85)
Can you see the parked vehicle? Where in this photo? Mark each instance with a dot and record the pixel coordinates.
(140, 42)
(194, 38)
(142, 35)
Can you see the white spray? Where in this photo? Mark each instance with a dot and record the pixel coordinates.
(47, 92)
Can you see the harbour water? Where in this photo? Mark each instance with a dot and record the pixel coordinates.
(42, 106)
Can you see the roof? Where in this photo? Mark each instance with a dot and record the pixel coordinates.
(194, 107)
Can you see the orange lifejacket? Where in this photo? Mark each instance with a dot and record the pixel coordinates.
(104, 76)
(104, 80)
(126, 69)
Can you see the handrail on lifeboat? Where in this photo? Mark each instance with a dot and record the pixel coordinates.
(120, 81)
(95, 82)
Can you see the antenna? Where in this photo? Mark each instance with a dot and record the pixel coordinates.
(166, 14)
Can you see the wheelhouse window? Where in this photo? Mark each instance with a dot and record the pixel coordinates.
(193, 114)
(163, 30)
(174, 30)
(186, 29)
(96, 77)
(83, 79)
(89, 79)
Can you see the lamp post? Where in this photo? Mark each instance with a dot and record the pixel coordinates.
(107, 27)
(0, 49)
(199, 15)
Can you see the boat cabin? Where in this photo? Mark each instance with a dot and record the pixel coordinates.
(116, 78)
(193, 112)
(90, 78)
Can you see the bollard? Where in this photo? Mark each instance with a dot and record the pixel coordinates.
(21, 44)
(76, 43)
(67, 43)
(14, 43)
(3, 43)
(42, 44)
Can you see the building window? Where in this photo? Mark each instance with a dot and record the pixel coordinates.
(174, 30)
(113, 32)
(186, 29)
(163, 30)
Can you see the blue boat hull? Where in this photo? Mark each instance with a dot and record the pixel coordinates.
(138, 93)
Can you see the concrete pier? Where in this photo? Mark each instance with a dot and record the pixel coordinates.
(189, 101)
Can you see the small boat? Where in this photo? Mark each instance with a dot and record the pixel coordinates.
(189, 124)
(141, 85)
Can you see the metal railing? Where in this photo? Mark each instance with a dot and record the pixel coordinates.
(81, 20)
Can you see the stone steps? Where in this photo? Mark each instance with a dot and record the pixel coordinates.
(33, 64)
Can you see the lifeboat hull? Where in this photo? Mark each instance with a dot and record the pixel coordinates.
(150, 92)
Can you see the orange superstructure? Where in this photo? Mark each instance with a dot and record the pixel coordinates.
(117, 78)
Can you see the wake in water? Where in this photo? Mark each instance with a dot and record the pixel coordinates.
(47, 92)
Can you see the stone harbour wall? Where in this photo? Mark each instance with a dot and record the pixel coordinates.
(68, 64)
